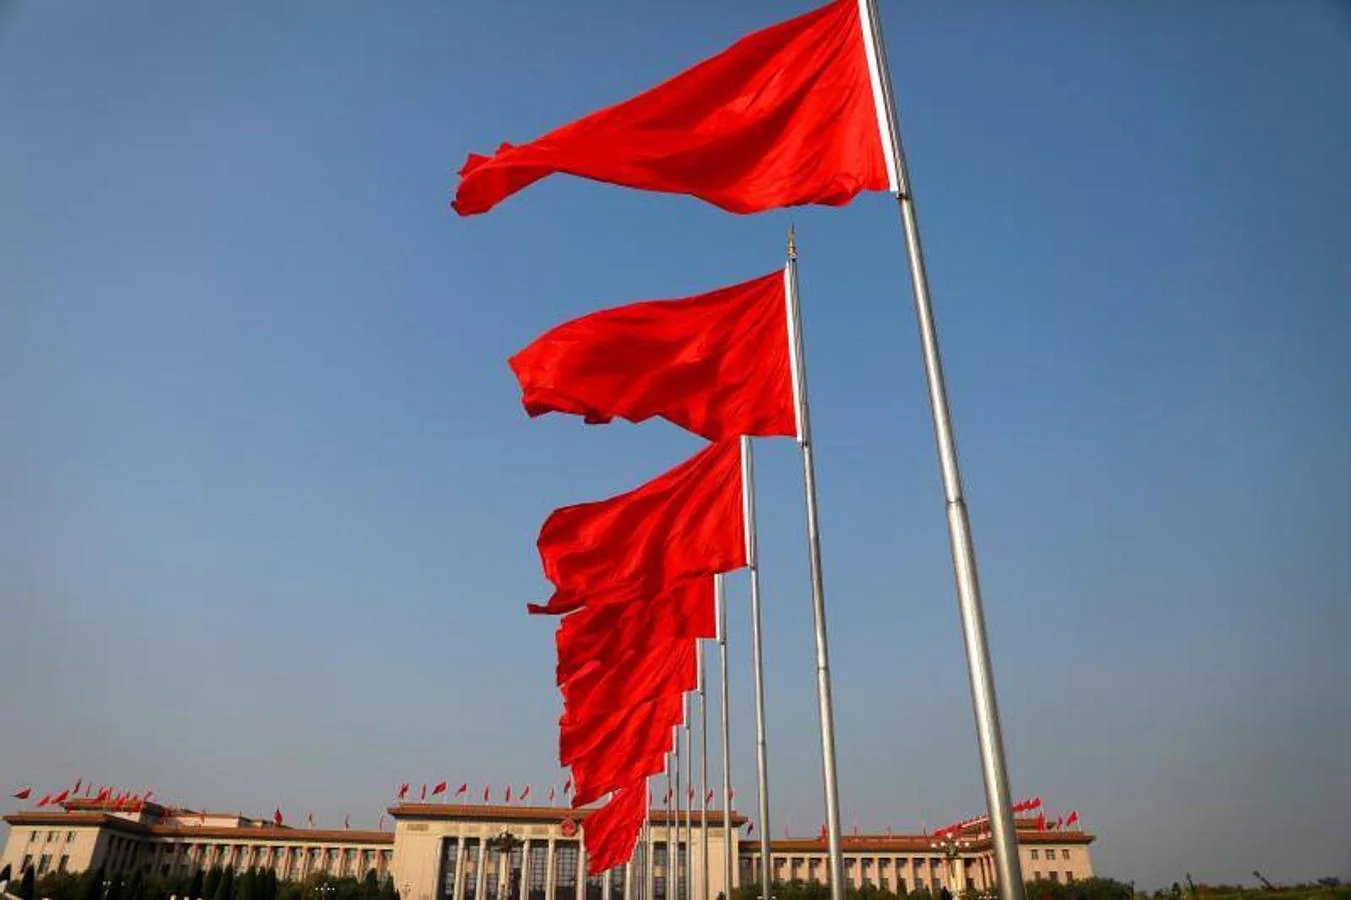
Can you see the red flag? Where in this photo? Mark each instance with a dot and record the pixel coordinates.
(617, 748)
(666, 798)
(689, 796)
(424, 792)
(667, 667)
(148, 796)
(22, 793)
(276, 816)
(750, 827)
(403, 790)
(708, 798)
(60, 798)
(606, 632)
(525, 793)
(76, 789)
(103, 794)
(462, 789)
(310, 819)
(508, 795)
(685, 522)
(784, 117)
(553, 793)
(1072, 818)
(716, 364)
(88, 789)
(567, 787)
(485, 793)
(347, 821)
(439, 788)
(611, 832)
(1059, 822)
(1041, 822)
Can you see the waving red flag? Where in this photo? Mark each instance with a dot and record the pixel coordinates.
(440, 788)
(463, 788)
(667, 667)
(1072, 818)
(276, 816)
(61, 797)
(686, 521)
(524, 794)
(611, 832)
(607, 632)
(613, 749)
(485, 793)
(716, 364)
(786, 116)
(22, 793)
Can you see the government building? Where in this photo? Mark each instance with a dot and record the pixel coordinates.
(449, 851)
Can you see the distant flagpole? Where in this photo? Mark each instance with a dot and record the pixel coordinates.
(825, 705)
(648, 861)
(757, 654)
(703, 768)
(989, 737)
(720, 598)
(689, 802)
(666, 870)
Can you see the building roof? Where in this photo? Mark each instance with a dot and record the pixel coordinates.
(542, 814)
(254, 832)
(911, 843)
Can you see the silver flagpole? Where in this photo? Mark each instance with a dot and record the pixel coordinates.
(720, 597)
(703, 770)
(648, 861)
(666, 869)
(989, 737)
(823, 698)
(689, 804)
(673, 856)
(757, 653)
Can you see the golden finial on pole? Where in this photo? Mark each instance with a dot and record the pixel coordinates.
(792, 242)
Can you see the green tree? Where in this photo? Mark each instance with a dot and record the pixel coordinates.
(213, 878)
(91, 885)
(195, 886)
(136, 887)
(387, 891)
(59, 886)
(370, 886)
(114, 889)
(226, 889)
(27, 886)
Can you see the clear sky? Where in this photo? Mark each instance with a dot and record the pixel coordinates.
(269, 499)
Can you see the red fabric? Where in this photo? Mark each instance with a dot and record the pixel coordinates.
(783, 117)
(1072, 818)
(440, 788)
(715, 364)
(423, 795)
(276, 816)
(461, 789)
(643, 674)
(403, 790)
(76, 789)
(604, 632)
(684, 522)
(525, 793)
(46, 799)
(22, 794)
(613, 749)
(611, 832)
(508, 793)
(60, 798)
(567, 786)
(485, 793)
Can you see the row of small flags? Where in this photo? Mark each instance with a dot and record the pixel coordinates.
(443, 788)
(118, 800)
(1043, 822)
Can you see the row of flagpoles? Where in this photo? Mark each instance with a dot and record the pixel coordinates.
(463, 793)
(798, 113)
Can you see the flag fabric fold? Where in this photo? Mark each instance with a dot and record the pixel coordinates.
(786, 116)
(685, 522)
(716, 364)
(644, 674)
(611, 832)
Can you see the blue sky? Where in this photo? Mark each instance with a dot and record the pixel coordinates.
(270, 500)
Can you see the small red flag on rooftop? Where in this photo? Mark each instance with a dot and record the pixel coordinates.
(22, 793)
(276, 816)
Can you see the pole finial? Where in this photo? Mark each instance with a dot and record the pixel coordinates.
(792, 242)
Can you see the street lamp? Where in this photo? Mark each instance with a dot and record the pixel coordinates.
(325, 890)
(505, 844)
(951, 847)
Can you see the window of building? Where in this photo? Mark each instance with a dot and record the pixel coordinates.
(1055, 876)
(27, 862)
(1036, 854)
(565, 870)
(63, 863)
(595, 887)
(70, 836)
(450, 852)
(1069, 876)
(491, 866)
(537, 869)
(1065, 854)
(44, 862)
(469, 888)
(617, 883)
(51, 836)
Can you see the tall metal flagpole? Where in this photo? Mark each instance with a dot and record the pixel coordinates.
(673, 856)
(703, 769)
(823, 697)
(689, 803)
(720, 597)
(648, 861)
(757, 654)
(988, 734)
(666, 870)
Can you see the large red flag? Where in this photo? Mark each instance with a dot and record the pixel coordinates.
(786, 116)
(22, 793)
(606, 632)
(611, 832)
(613, 749)
(644, 674)
(716, 364)
(686, 521)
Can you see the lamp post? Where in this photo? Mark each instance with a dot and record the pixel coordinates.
(951, 847)
(505, 844)
(325, 890)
